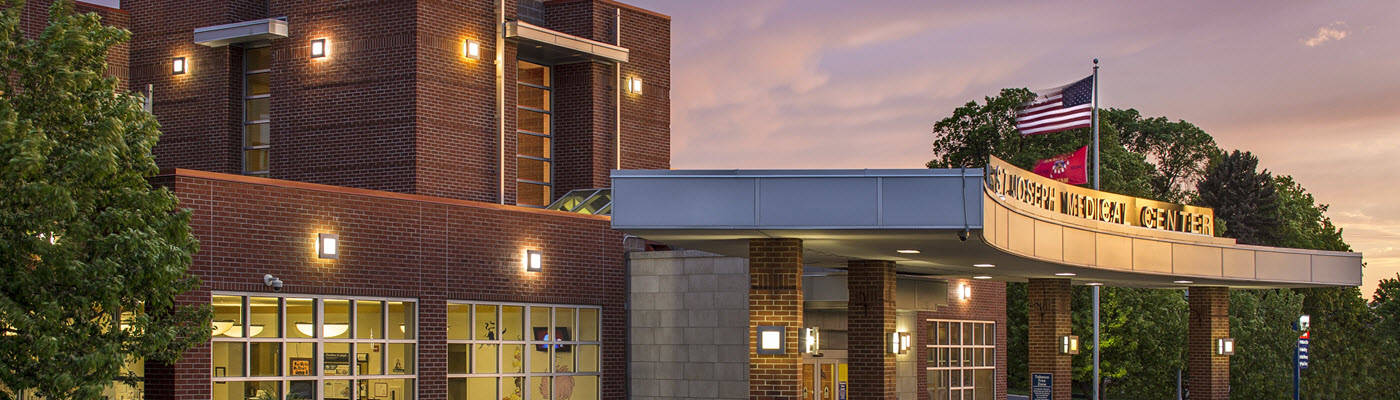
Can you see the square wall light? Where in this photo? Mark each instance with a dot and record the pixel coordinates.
(534, 260)
(770, 339)
(1069, 345)
(1225, 347)
(177, 66)
(634, 85)
(320, 48)
(328, 246)
(964, 291)
(471, 49)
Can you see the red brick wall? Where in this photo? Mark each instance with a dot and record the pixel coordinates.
(35, 17)
(871, 319)
(1208, 374)
(392, 245)
(1047, 302)
(775, 298)
(988, 303)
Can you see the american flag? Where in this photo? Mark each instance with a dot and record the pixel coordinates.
(1062, 108)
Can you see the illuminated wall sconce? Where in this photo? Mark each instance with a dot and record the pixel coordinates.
(177, 66)
(1069, 345)
(533, 260)
(900, 342)
(320, 48)
(471, 49)
(964, 292)
(1225, 347)
(328, 246)
(770, 339)
(811, 340)
(634, 85)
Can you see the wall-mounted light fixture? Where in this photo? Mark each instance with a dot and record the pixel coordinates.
(328, 246)
(905, 342)
(320, 48)
(770, 339)
(1225, 347)
(964, 292)
(177, 66)
(471, 49)
(533, 260)
(1069, 345)
(811, 340)
(634, 85)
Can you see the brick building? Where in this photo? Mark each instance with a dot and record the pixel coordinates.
(401, 200)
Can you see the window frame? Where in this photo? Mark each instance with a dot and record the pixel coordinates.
(549, 161)
(934, 345)
(285, 380)
(527, 342)
(243, 95)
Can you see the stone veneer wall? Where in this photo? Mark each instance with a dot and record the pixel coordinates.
(689, 321)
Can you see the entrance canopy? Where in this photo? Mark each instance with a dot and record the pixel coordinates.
(1001, 222)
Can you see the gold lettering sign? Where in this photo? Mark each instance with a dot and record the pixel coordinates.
(1009, 182)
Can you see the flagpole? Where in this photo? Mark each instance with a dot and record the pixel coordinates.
(1096, 187)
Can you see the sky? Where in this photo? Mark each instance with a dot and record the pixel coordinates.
(1311, 88)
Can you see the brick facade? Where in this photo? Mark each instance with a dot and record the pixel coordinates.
(35, 16)
(392, 245)
(871, 319)
(988, 303)
(395, 106)
(1047, 302)
(1208, 373)
(775, 298)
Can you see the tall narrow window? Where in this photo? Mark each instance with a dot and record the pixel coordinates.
(533, 157)
(257, 64)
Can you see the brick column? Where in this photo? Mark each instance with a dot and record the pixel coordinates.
(871, 285)
(775, 298)
(1047, 303)
(1208, 374)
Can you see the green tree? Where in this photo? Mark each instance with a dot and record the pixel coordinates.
(1180, 151)
(85, 238)
(1242, 197)
(1017, 331)
(1144, 341)
(1261, 324)
(1304, 223)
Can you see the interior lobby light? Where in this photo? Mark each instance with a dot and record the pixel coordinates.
(984, 265)
(330, 330)
(221, 327)
(533, 260)
(471, 49)
(328, 246)
(320, 48)
(907, 251)
(177, 66)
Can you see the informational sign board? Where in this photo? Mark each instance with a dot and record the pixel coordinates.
(841, 391)
(1303, 352)
(1042, 387)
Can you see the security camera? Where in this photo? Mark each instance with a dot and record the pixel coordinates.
(272, 282)
(962, 235)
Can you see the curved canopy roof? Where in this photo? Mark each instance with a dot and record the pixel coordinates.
(959, 221)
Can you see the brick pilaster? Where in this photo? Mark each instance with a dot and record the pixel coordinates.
(1208, 374)
(871, 285)
(1047, 303)
(775, 298)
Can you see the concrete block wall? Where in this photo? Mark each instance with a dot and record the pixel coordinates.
(689, 325)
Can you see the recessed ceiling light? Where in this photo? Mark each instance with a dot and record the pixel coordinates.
(981, 277)
(984, 265)
(1095, 284)
(1182, 282)
(1064, 274)
(907, 251)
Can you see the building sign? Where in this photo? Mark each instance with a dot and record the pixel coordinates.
(1015, 184)
(1042, 387)
(1303, 351)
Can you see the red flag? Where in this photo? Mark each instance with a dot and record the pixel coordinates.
(1072, 168)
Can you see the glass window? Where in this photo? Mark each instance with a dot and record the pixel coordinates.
(257, 363)
(257, 108)
(459, 321)
(533, 154)
(962, 354)
(556, 354)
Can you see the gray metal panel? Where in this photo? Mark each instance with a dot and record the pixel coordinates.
(241, 32)
(680, 202)
(924, 201)
(830, 202)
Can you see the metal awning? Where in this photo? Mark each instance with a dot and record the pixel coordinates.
(241, 32)
(554, 47)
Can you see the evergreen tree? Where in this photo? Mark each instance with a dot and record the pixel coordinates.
(91, 257)
(1246, 200)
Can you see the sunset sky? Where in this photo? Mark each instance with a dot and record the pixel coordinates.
(1313, 89)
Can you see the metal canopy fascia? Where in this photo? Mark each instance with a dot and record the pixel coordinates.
(554, 47)
(241, 32)
(869, 214)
